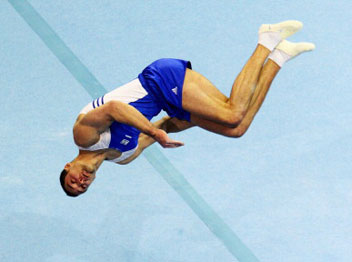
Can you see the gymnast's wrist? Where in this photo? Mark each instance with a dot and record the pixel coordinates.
(152, 132)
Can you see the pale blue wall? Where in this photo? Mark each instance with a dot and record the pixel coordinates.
(284, 188)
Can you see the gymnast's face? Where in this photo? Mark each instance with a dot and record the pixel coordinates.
(78, 178)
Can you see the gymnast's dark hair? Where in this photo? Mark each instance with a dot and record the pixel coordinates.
(62, 181)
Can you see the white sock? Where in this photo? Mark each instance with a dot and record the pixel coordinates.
(269, 39)
(279, 57)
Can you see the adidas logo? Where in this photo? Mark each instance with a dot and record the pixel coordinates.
(174, 90)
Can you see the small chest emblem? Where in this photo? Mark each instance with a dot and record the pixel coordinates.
(124, 142)
(174, 90)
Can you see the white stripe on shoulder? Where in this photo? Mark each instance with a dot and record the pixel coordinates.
(127, 93)
(103, 142)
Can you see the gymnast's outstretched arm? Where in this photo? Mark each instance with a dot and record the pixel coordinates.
(88, 127)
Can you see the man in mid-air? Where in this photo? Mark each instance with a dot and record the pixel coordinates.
(116, 127)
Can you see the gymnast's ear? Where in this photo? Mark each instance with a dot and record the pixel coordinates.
(67, 166)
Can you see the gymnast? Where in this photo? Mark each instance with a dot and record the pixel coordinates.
(116, 127)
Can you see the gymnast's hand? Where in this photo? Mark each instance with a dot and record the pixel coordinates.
(164, 140)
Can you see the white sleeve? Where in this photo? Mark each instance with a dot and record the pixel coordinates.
(103, 143)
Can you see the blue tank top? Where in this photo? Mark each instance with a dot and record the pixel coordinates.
(158, 87)
(122, 137)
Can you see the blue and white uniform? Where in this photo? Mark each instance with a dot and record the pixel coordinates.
(158, 87)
